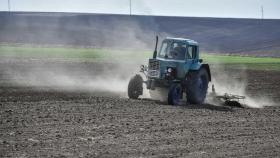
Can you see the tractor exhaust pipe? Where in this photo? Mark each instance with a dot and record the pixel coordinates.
(155, 51)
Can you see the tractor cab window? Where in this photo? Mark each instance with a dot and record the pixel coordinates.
(174, 50)
(191, 54)
(163, 49)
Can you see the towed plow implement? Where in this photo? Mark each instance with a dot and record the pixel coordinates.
(228, 99)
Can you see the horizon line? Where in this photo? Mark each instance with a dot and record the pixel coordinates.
(125, 14)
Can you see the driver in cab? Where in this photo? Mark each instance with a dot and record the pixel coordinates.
(178, 52)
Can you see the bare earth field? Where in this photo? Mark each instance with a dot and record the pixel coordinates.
(47, 122)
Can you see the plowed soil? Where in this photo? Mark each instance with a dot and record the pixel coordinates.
(46, 122)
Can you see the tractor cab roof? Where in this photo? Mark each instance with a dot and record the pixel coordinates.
(192, 42)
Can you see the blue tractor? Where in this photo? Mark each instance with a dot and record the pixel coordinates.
(176, 68)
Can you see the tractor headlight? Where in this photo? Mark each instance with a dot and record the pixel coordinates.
(169, 70)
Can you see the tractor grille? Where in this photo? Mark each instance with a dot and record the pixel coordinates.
(154, 68)
(154, 65)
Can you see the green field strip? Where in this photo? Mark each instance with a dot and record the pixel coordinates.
(98, 54)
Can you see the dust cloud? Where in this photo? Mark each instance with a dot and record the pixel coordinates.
(75, 76)
(235, 81)
(110, 76)
(67, 81)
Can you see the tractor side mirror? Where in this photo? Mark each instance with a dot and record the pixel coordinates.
(200, 60)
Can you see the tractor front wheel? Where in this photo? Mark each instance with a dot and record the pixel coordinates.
(175, 94)
(135, 87)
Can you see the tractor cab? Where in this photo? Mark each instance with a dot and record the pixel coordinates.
(178, 49)
(174, 59)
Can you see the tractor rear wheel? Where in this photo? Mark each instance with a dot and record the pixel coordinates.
(197, 86)
(135, 87)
